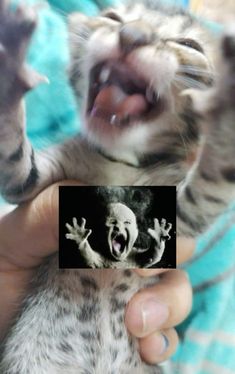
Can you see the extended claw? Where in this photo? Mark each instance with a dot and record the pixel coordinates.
(27, 79)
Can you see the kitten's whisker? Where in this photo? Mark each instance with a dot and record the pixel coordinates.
(78, 39)
(195, 71)
(190, 82)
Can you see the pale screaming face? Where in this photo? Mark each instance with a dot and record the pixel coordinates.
(121, 229)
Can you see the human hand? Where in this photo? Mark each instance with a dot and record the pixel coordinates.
(153, 312)
(78, 233)
(30, 233)
(160, 232)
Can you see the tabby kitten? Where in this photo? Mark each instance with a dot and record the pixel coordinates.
(158, 110)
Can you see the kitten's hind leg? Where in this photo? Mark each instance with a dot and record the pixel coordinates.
(21, 171)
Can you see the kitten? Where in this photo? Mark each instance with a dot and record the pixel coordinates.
(158, 110)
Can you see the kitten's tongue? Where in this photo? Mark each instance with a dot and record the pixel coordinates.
(112, 102)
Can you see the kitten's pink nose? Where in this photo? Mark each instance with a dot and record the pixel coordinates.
(135, 34)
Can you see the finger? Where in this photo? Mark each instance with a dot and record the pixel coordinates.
(156, 224)
(185, 249)
(88, 234)
(168, 227)
(159, 346)
(35, 219)
(154, 308)
(163, 223)
(70, 228)
(83, 224)
(151, 232)
(69, 236)
(75, 223)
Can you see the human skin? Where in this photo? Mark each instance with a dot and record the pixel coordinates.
(30, 233)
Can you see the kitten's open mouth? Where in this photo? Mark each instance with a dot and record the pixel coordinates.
(119, 96)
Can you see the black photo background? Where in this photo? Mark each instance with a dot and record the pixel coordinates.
(90, 202)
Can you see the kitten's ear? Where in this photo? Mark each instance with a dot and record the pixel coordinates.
(79, 31)
(79, 21)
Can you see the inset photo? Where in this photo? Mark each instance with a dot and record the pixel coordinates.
(117, 227)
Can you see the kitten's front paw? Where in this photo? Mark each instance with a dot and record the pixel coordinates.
(16, 29)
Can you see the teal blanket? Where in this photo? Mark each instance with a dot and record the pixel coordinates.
(208, 335)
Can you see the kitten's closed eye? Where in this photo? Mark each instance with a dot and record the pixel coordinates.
(112, 15)
(190, 43)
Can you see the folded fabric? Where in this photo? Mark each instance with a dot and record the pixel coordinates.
(208, 335)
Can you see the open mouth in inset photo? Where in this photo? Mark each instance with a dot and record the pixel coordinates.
(118, 245)
(118, 95)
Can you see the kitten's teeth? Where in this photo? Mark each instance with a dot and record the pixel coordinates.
(104, 74)
(114, 120)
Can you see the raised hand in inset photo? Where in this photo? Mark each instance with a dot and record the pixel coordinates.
(78, 233)
(160, 233)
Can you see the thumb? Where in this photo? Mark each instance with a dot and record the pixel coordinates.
(30, 232)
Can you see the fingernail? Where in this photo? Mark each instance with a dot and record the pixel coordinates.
(165, 344)
(154, 314)
(159, 346)
(146, 316)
